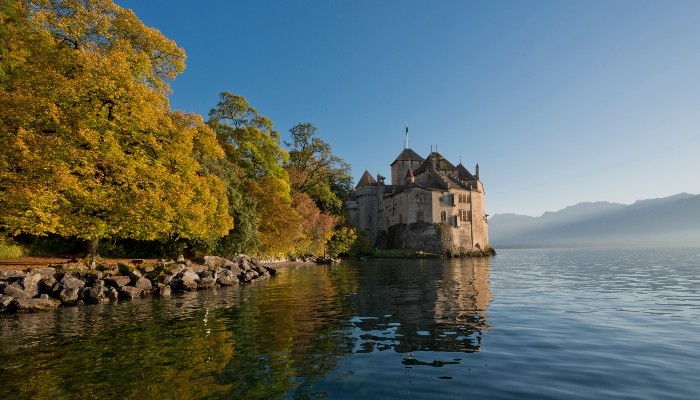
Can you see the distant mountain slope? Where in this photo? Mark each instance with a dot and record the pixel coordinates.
(673, 220)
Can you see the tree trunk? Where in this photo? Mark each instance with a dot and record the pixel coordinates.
(93, 246)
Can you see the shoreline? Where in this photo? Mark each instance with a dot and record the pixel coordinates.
(41, 284)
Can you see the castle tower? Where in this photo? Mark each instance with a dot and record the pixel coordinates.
(410, 179)
(366, 193)
(408, 159)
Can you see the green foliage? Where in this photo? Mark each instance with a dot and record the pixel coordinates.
(9, 249)
(247, 137)
(316, 171)
(265, 221)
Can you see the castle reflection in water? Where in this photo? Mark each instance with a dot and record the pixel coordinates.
(430, 305)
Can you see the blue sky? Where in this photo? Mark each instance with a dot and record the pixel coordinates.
(559, 102)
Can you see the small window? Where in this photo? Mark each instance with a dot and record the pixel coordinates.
(463, 216)
(443, 217)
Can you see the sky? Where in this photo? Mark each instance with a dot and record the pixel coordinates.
(559, 102)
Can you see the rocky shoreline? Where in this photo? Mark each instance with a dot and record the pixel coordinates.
(73, 283)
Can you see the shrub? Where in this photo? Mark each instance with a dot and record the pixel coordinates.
(8, 249)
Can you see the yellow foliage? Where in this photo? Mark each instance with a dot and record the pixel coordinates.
(90, 147)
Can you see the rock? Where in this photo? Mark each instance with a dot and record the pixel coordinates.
(142, 283)
(5, 302)
(96, 294)
(130, 293)
(94, 276)
(45, 273)
(214, 262)
(162, 290)
(262, 271)
(248, 276)
(16, 291)
(34, 305)
(235, 270)
(70, 281)
(135, 274)
(226, 278)
(206, 282)
(117, 282)
(69, 295)
(185, 280)
(8, 274)
(47, 285)
(112, 293)
(30, 284)
(244, 264)
(124, 269)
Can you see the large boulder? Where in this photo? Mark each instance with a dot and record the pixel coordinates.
(16, 291)
(33, 305)
(45, 273)
(142, 283)
(30, 283)
(117, 282)
(11, 274)
(95, 294)
(68, 289)
(226, 278)
(70, 281)
(130, 293)
(207, 279)
(47, 284)
(69, 295)
(248, 276)
(185, 280)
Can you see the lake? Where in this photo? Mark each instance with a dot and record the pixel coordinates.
(540, 324)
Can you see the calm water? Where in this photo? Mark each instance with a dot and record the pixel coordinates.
(541, 324)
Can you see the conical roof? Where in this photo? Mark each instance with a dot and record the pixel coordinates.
(366, 180)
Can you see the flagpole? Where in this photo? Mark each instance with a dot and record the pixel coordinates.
(406, 145)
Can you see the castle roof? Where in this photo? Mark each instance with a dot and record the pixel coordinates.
(408, 155)
(464, 174)
(441, 164)
(366, 180)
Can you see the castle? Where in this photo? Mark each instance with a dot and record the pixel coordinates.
(430, 205)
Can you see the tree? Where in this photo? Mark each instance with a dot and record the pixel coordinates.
(89, 146)
(315, 170)
(316, 226)
(255, 177)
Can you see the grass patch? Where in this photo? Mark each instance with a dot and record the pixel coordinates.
(8, 249)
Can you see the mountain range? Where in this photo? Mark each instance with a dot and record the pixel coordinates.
(673, 220)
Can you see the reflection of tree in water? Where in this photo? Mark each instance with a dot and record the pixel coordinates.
(434, 305)
(260, 341)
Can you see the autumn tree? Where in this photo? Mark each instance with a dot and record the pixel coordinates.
(315, 170)
(88, 145)
(256, 177)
